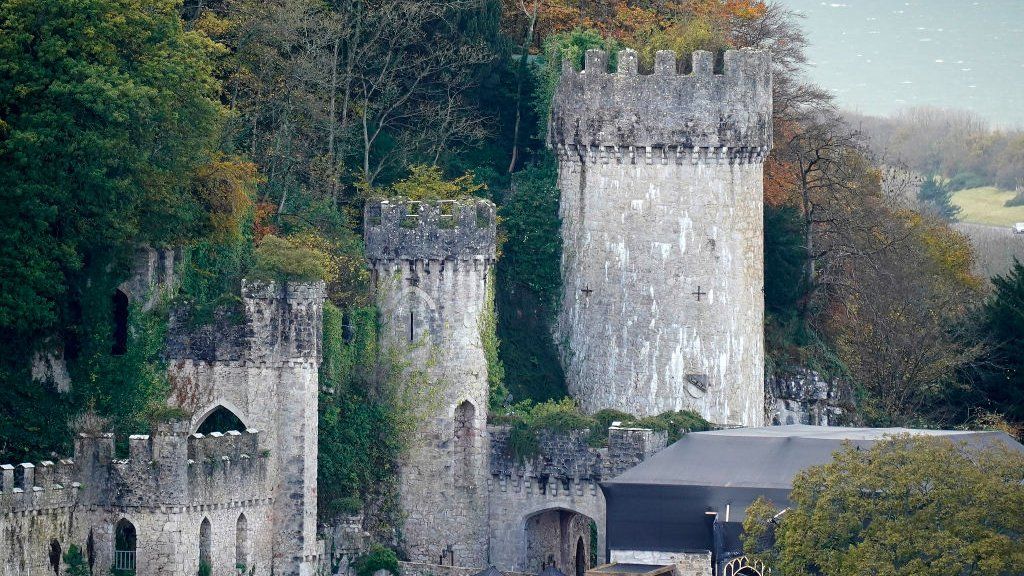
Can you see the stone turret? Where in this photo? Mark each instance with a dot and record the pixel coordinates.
(264, 369)
(661, 205)
(431, 264)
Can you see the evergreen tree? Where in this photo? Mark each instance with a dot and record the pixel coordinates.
(1003, 322)
(937, 197)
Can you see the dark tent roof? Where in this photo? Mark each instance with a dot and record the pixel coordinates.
(768, 457)
(667, 503)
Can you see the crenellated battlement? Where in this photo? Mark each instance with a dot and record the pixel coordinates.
(37, 486)
(669, 115)
(568, 457)
(401, 229)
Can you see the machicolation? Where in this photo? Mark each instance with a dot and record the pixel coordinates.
(665, 115)
(429, 230)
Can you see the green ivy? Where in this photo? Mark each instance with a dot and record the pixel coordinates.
(497, 392)
(527, 419)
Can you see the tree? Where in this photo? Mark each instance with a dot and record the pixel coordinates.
(100, 102)
(909, 505)
(110, 126)
(1003, 321)
(936, 197)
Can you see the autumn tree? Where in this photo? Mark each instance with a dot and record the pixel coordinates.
(908, 505)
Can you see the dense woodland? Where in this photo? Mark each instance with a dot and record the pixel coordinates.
(250, 132)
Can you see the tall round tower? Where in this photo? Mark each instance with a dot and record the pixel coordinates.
(431, 266)
(661, 205)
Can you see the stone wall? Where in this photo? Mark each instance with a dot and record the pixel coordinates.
(803, 396)
(168, 486)
(431, 264)
(265, 370)
(541, 506)
(661, 205)
(686, 563)
(428, 569)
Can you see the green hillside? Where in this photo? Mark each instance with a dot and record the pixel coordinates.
(987, 206)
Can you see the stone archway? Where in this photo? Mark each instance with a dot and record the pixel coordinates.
(559, 537)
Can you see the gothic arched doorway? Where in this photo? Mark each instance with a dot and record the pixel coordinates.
(558, 537)
(125, 546)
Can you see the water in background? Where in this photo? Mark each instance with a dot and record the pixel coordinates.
(878, 56)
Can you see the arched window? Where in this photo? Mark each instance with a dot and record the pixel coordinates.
(221, 420)
(743, 566)
(581, 557)
(205, 559)
(120, 308)
(241, 543)
(90, 551)
(125, 544)
(55, 556)
(465, 414)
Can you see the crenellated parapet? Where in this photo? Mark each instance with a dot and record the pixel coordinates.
(401, 229)
(170, 467)
(281, 325)
(668, 116)
(568, 458)
(35, 487)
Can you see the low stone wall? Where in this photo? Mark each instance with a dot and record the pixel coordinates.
(423, 569)
(802, 396)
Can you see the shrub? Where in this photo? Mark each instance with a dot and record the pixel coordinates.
(378, 558)
(281, 258)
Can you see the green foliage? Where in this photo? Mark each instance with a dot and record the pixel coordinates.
(378, 558)
(527, 419)
(371, 403)
(129, 389)
(74, 562)
(284, 259)
(108, 107)
(497, 393)
(910, 505)
(428, 183)
(937, 196)
(205, 569)
(1002, 320)
(530, 282)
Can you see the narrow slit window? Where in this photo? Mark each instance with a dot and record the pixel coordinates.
(412, 326)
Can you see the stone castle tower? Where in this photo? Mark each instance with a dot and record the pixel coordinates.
(238, 500)
(266, 372)
(661, 205)
(431, 265)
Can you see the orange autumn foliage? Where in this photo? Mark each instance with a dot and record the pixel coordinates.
(631, 22)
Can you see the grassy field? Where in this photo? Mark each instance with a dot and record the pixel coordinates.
(987, 206)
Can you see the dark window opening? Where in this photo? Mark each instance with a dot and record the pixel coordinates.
(55, 556)
(221, 420)
(412, 326)
(205, 559)
(241, 543)
(348, 333)
(120, 301)
(125, 544)
(581, 558)
(90, 551)
(465, 414)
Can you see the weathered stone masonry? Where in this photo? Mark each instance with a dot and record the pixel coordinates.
(244, 498)
(661, 206)
(431, 263)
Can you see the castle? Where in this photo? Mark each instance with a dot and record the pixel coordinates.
(662, 309)
(661, 204)
(239, 501)
(660, 179)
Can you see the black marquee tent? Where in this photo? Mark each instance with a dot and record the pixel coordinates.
(697, 490)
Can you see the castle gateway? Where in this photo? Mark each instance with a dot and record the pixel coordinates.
(661, 205)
